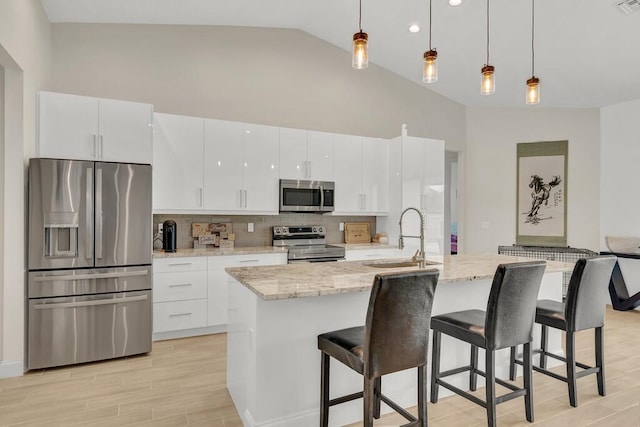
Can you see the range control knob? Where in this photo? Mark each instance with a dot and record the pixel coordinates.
(315, 229)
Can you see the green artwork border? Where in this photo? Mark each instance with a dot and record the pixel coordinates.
(541, 149)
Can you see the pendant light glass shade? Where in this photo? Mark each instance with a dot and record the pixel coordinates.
(533, 91)
(430, 68)
(488, 85)
(360, 58)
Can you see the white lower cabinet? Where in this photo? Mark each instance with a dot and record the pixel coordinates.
(179, 294)
(190, 293)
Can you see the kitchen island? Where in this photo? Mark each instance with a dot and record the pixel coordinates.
(276, 313)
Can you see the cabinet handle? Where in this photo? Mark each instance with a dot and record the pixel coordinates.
(200, 196)
(95, 145)
(180, 263)
(309, 169)
(180, 314)
(245, 198)
(249, 260)
(240, 198)
(181, 285)
(101, 146)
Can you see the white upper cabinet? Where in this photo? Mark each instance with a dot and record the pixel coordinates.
(261, 168)
(126, 131)
(87, 128)
(293, 154)
(361, 171)
(375, 175)
(306, 155)
(348, 173)
(223, 154)
(241, 167)
(177, 162)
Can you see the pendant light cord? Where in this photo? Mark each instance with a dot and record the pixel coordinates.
(430, 1)
(533, 54)
(487, 33)
(360, 17)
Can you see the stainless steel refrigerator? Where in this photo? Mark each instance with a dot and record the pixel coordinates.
(90, 273)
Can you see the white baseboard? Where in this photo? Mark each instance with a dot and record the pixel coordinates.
(304, 419)
(185, 333)
(11, 368)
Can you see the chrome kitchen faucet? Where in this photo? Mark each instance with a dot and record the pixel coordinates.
(419, 255)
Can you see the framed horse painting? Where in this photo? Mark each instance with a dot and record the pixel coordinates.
(541, 214)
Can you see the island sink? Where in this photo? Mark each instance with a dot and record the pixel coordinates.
(396, 263)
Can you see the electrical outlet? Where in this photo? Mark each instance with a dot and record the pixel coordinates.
(160, 227)
(250, 227)
(341, 226)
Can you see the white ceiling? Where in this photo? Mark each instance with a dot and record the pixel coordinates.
(587, 51)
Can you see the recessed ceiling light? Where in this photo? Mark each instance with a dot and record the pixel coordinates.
(455, 2)
(414, 28)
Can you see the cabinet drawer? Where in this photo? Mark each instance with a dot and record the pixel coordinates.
(178, 286)
(176, 315)
(165, 265)
(247, 260)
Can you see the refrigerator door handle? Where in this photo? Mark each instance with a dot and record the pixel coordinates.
(89, 214)
(90, 303)
(98, 213)
(92, 276)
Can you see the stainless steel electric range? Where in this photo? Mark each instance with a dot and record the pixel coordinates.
(306, 243)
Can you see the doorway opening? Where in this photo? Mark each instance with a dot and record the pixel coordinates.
(451, 216)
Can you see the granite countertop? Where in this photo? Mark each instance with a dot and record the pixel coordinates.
(315, 279)
(159, 253)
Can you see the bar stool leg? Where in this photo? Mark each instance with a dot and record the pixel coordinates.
(369, 401)
(435, 366)
(512, 363)
(600, 361)
(473, 377)
(571, 368)
(422, 396)
(490, 387)
(543, 346)
(528, 381)
(377, 392)
(324, 390)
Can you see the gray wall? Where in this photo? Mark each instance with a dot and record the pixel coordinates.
(269, 76)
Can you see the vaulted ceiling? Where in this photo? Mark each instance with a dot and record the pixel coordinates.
(587, 52)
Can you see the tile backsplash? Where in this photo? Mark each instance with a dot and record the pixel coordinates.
(261, 235)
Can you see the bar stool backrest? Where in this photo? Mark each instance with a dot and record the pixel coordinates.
(512, 304)
(398, 319)
(587, 293)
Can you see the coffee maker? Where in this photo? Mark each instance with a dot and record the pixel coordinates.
(169, 239)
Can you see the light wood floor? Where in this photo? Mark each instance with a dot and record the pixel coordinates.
(182, 382)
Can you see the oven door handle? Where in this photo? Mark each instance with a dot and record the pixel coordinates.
(92, 276)
(90, 303)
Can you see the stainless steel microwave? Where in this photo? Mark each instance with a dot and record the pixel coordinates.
(306, 196)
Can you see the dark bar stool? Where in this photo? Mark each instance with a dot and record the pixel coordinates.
(394, 338)
(583, 309)
(508, 321)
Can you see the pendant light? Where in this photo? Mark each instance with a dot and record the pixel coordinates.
(430, 66)
(533, 84)
(488, 83)
(360, 58)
